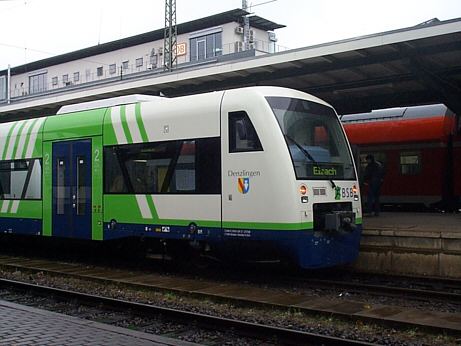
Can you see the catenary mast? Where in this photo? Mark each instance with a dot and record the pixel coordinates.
(170, 37)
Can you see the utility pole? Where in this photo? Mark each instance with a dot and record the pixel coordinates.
(170, 37)
(246, 27)
(8, 85)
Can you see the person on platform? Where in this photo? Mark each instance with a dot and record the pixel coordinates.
(373, 177)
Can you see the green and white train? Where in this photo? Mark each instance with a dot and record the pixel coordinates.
(259, 170)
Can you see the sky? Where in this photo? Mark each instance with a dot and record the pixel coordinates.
(31, 30)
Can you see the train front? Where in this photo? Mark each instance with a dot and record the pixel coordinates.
(326, 186)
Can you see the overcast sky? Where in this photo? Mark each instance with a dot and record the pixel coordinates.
(35, 29)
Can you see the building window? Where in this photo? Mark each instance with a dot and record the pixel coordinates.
(54, 81)
(65, 79)
(125, 65)
(37, 83)
(76, 76)
(112, 68)
(99, 71)
(2, 87)
(410, 163)
(154, 60)
(242, 134)
(173, 167)
(206, 46)
(139, 62)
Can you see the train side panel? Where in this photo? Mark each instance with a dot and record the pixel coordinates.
(21, 170)
(135, 136)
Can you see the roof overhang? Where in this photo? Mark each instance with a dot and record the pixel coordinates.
(416, 65)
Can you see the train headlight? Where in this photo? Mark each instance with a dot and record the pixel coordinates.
(355, 192)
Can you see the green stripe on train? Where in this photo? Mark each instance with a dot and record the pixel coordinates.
(8, 139)
(25, 209)
(140, 123)
(124, 122)
(125, 209)
(27, 139)
(270, 226)
(109, 133)
(18, 138)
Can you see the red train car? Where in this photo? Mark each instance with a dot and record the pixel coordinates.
(420, 148)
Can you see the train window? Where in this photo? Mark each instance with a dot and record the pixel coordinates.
(81, 185)
(60, 186)
(33, 184)
(21, 179)
(242, 134)
(5, 179)
(173, 167)
(410, 163)
(315, 139)
(379, 156)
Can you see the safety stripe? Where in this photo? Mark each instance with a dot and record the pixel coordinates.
(18, 139)
(132, 123)
(9, 140)
(142, 129)
(22, 140)
(144, 206)
(27, 137)
(14, 207)
(5, 205)
(117, 125)
(126, 129)
(33, 137)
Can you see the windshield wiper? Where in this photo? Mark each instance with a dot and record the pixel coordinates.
(309, 156)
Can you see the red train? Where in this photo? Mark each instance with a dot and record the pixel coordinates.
(420, 148)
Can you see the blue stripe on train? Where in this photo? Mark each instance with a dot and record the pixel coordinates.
(20, 226)
(307, 248)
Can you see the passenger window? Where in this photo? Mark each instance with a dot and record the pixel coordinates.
(410, 163)
(173, 167)
(60, 186)
(242, 134)
(20, 179)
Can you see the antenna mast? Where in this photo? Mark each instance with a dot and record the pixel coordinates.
(170, 37)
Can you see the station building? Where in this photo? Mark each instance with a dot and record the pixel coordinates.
(207, 40)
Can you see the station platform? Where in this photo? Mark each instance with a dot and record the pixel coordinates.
(411, 244)
(23, 325)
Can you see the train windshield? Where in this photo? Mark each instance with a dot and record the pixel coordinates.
(315, 139)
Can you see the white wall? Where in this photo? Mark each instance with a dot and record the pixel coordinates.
(87, 67)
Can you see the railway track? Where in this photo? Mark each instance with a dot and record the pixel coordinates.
(263, 332)
(385, 289)
(394, 316)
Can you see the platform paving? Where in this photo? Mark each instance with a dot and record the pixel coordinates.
(414, 222)
(24, 325)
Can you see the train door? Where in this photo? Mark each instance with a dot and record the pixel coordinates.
(71, 187)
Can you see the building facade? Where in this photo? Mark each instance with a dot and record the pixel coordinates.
(210, 39)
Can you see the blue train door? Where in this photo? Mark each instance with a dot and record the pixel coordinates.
(72, 189)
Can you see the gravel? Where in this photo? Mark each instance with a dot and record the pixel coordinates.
(281, 318)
